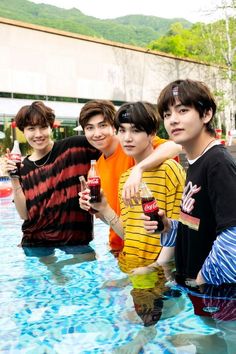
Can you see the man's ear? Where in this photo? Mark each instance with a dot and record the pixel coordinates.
(207, 116)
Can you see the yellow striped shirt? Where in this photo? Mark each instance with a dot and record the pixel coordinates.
(166, 183)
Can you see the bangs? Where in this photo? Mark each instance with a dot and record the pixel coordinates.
(142, 115)
(172, 95)
(35, 118)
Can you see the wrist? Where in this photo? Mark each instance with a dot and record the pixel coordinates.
(15, 182)
(139, 167)
(15, 189)
(154, 265)
(110, 216)
(168, 226)
(14, 178)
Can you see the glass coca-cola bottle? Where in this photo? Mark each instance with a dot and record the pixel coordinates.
(15, 155)
(94, 183)
(149, 205)
(83, 183)
(83, 186)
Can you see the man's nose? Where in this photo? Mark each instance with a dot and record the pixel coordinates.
(128, 136)
(173, 119)
(97, 131)
(38, 131)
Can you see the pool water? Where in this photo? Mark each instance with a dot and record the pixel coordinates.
(70, 302)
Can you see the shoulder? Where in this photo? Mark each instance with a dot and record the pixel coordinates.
(219, 157)
(75, 140)
(173, 171)
(171, 165)
(158, 141)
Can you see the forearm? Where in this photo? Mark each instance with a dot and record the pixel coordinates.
(163, 152)
(109, 216)
(19, 198)
(219, 267)
(166, 255)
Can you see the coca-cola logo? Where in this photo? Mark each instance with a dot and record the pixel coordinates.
(149, 207)
(94, 181)
(15, 157)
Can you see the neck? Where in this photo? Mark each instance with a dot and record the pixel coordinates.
(39, 154)
(194, 150)
(112, 148)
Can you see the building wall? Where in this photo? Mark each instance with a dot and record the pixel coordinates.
(42, 61)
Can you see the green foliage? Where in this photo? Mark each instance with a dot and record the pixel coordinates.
(201, 42)
(136, 30)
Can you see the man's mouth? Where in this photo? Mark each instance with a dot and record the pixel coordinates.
(129, 146)
(176, 131)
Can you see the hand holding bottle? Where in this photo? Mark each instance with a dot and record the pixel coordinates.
(94, 183)
(152, 225)
(85, 202)
(150, 207)
(84, 195)
(13, 161)
(85, 198)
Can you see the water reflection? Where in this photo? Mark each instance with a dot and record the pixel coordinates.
(54, 265)
(156, 298)
(216, 306)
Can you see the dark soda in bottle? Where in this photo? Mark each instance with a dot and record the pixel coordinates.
(150, 207)
(94, 183)
(83, 186)
(15, 155)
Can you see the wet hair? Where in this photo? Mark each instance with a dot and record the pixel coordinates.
(35, 114)
(143, 115)
(92, 108)
(190, 93)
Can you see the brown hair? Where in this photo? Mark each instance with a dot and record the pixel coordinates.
(190, 93)
(143, 115)
(94, 107)
(35, 114)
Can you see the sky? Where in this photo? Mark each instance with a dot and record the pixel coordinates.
(194, 11)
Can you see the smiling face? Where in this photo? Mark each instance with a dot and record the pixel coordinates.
(100, 133)
(184, 126)
(136, 143)
(39, 138)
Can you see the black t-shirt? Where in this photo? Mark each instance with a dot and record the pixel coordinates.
(208, 207)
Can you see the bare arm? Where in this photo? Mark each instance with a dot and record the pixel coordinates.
(160, 154)
(19, 199)
(105, 212)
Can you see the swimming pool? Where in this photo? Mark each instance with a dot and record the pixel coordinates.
(71, 303)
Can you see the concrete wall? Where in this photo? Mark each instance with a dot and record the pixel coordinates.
(44, 61)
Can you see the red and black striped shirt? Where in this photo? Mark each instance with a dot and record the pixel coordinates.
(51, 191)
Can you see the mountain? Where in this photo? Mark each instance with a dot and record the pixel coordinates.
(136, 30)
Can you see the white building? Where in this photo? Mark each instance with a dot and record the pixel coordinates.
(67, 69)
